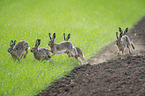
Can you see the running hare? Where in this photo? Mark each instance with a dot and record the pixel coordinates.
(17, 50)
(40, 53)
(78, 52)
(123, 41)
(60, 48)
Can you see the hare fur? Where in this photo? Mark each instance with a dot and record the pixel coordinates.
(17, 50)
(78, 52)
(59, 48)
(123, 41)
(40, 53)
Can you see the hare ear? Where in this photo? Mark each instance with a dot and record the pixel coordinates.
(50, 36)
(68, 37)
(121, 34)
(64, 36)
(126, 30)
(120, 30)
(14, 42)
(37, 42)
(11, 42)
(54, 35)
(117, 35)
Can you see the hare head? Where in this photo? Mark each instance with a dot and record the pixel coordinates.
(12, 44)
(51, 41)
(118, 41)
(35, 49)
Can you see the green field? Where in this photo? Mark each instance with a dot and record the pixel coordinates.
(92, 24)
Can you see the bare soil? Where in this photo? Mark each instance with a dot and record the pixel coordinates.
(107, 74)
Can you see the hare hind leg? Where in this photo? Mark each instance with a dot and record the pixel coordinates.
(77, 58)
(80, 61)
(82, 57)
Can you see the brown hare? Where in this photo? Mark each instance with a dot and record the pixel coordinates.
(78, 52)
(59, 48)
(17, 50)
(123, 41)
(40, 53)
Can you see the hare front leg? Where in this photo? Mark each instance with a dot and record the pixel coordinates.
(18, 57)
(53, 52)
(74, 52)
(68, 53)
(129, 50)
(80, 61)
(26, 53)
